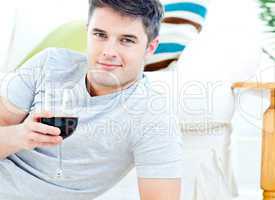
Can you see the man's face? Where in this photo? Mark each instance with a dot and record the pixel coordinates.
(117, 47)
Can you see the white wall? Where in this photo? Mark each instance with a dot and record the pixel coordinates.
(7, 20)
(34, 20)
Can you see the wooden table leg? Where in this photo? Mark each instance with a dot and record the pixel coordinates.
(268, 151)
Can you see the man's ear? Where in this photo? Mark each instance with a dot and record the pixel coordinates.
(152, 46)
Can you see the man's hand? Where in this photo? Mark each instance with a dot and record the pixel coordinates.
(159, 189)
(31, 133)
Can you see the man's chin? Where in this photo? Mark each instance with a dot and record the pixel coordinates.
(103, 72)
(106, 81)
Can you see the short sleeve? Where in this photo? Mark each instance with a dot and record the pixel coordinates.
(158, 152)
(18, 86)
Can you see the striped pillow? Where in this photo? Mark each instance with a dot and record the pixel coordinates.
(183, 20)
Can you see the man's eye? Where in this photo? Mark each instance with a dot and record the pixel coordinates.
(126, 40)
(100, 35)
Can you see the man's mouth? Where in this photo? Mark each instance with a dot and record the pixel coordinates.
(109, 66)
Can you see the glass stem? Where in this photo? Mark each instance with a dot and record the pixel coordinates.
(60, 167)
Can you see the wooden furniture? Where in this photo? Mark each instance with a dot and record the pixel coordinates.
(268, 139)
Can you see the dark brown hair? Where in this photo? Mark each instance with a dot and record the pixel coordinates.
(150, 11)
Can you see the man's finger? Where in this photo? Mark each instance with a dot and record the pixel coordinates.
(46, 144)
(37, 116)
(41, 138)
(44, 128)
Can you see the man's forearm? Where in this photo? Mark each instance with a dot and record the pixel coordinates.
(159, 189)
(7, 141)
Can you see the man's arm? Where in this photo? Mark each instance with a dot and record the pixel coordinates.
(157, 152)
(9, 116)
(159, 189)
(15, 135)
(18, 129)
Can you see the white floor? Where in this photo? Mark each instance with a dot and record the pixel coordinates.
(250, 195)
(127, 190)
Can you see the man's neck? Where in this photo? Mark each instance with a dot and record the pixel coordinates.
(96, 90)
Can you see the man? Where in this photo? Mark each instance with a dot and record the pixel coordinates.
(122, 122)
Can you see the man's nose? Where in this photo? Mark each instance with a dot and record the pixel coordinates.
(110, 50)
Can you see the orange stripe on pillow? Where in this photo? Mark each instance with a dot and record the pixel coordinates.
(176, 20)
(158, 65)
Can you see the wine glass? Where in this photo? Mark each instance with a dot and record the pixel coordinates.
(66, 120)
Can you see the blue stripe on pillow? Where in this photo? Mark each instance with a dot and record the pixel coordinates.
(191, 7)
(169, 48)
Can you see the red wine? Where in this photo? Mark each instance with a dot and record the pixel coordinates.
(67, 125)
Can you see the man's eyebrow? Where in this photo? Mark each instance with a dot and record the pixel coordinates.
(98, 30)
(124, 35)
(131, 36)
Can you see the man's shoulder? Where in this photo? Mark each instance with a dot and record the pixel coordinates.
(148, 102)
(63, 55)
(59, 65)
(56, 59)
(63, 64)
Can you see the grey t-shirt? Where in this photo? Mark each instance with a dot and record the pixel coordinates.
(116, 132)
